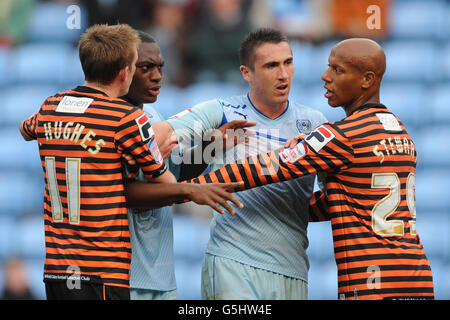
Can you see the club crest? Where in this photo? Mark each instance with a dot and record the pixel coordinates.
(304, 126)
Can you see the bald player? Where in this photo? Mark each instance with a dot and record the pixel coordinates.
(369, 161)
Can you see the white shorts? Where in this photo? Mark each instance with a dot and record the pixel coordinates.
(226, 279)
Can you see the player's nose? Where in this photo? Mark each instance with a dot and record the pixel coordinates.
(326, 76)
(156, 75)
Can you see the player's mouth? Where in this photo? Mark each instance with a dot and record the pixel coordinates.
(328, 94)
(282, 88)
(154, 91)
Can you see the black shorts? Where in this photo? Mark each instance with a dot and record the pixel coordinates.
(58, 290)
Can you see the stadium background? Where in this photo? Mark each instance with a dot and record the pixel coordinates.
(38, 57)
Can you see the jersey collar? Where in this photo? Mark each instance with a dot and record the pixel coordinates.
(85, 89)
(368, 106)
(263, 115)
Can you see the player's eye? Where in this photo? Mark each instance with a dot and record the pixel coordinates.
(336, 69)
(272, 65)
(143, 68)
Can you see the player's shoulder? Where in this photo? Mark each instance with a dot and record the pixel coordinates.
(234, 105)
(304, 108)
(99, 98)
(234, 102)
(306, 111)
(368, 114)
(152, 114)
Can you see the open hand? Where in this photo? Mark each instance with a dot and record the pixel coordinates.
(233, 132)
(215, 194)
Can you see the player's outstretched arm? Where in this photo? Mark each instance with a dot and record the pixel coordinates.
(254, 171)
(141, 194)
(324, 150)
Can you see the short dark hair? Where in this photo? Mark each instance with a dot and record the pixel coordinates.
(145, 37)
(255, 39)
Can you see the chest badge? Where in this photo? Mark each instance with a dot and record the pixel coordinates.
(304, 126)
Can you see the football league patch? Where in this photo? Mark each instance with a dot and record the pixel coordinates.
(145, 128)
(319, 138)
(294, 154)
(154, 150)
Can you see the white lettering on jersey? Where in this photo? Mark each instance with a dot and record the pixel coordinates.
(73, 104)
(319, 138)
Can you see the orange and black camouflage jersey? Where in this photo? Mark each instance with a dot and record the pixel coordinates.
(81, 135)
(370, 164)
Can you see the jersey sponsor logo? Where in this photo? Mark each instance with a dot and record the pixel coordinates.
(70, 104)
(229, 105)
(291, 155)
(182, 113)
(319, 138)
(304, 126)
(389, 122)
(145, 128)
(241, 114)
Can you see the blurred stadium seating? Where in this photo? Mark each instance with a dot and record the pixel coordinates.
(416, 88)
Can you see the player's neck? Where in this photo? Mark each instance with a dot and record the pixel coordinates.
(374, 99)
(271, 111)
(109, 90)
(133, 101)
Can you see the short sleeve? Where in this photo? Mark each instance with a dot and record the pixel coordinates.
(30, 126)
(135, 136)
(191, 124)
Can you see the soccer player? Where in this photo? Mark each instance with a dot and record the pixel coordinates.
(260, 252)
(152, 274)
(82, 134)
(370, 163)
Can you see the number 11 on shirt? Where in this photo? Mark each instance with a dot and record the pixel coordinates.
(72, 169)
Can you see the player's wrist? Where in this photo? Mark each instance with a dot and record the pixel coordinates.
(187, 190)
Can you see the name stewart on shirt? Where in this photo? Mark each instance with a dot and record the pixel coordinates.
(395, 145)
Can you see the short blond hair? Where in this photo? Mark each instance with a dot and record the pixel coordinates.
(104, 50)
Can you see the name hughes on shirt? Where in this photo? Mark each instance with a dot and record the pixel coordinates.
(72, 132)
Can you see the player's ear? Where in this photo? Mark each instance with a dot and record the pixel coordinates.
(123, 73)
(245, 73)
(368, 79)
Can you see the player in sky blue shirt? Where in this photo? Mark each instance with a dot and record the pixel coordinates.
(259, 253)
(152, 275)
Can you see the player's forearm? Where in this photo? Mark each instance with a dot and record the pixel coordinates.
(163, 131)
(254, 171)
(141, 194)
